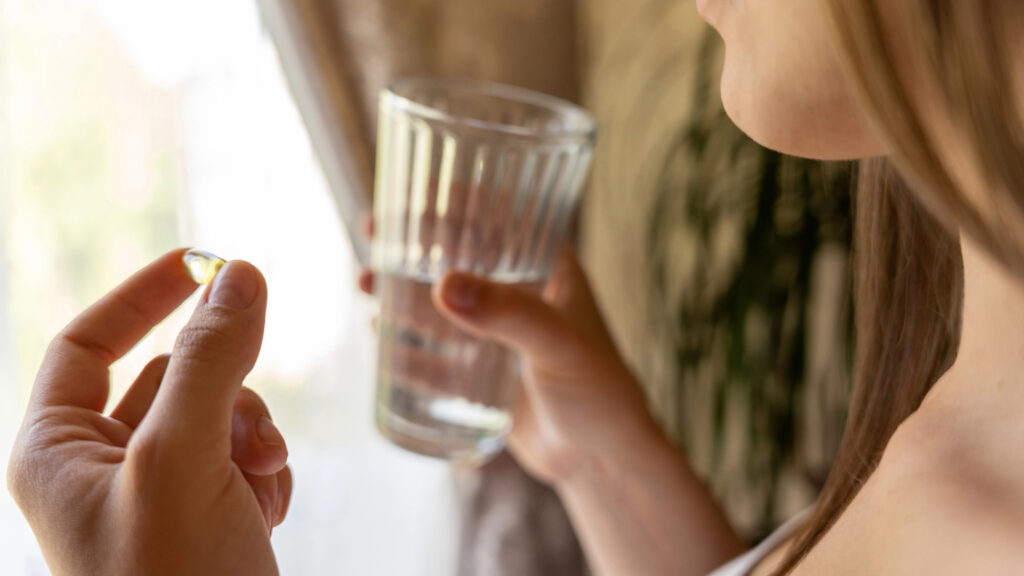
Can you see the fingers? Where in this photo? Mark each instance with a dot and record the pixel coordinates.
(285, 483)
(137, 400)
(212, 355)
(507, 314)
(257, 446)
(74, 371)
(273, 493)
(543, 327)
(366, 278)
(264, 488)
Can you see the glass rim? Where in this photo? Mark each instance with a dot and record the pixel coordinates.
(586, 130)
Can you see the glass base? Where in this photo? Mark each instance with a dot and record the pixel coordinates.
(458, 444)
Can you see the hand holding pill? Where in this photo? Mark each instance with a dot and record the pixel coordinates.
(188, 445)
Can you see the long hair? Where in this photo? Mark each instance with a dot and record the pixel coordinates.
(911, 210)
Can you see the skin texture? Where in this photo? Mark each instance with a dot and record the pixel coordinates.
(187, 474)
(781, 82)
(946, 498)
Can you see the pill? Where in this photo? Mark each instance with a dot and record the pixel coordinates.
(202, 266)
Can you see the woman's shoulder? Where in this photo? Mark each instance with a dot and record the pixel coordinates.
(941, 502)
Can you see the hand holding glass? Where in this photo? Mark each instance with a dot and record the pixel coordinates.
(477, 177)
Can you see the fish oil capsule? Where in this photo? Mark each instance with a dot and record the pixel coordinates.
(202, 266)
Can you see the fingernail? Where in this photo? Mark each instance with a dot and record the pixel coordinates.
(268, 433)
(235, 286)
(462, 292)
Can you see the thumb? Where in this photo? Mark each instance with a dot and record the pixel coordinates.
(212, 355)
(508, 314)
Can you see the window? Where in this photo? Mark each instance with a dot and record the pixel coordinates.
(128, 128)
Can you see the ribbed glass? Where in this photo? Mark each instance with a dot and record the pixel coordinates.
(477, 177)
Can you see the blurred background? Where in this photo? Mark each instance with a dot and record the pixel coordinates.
(247, 128)
(129, 128)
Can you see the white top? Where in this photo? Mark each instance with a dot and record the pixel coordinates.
(742, 565)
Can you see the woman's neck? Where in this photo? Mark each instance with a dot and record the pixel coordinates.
(989, 368)
(992, 340)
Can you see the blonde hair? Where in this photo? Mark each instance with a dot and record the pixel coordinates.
(910, 210)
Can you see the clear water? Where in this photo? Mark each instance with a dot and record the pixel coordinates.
(441, 392)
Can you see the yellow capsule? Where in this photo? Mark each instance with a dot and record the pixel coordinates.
(202, 266)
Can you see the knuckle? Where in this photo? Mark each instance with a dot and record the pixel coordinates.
(141, 457)
(150, 464)
(248, 400)
(157, 367)
(203, 341)
(57, 350)
(16, 477)
(144, 480)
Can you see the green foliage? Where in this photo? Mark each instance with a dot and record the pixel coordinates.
(92, 189)
(753, 222)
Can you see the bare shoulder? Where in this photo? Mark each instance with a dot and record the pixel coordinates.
(936, 505)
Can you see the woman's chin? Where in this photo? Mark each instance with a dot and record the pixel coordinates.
(706, 10)
(780, 122)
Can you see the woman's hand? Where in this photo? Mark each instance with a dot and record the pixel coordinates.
(187, 474)
(580, 402)
(582, 425)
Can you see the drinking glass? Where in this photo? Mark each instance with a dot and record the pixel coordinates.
(478, 177)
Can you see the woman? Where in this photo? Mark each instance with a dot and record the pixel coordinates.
(926, 481)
